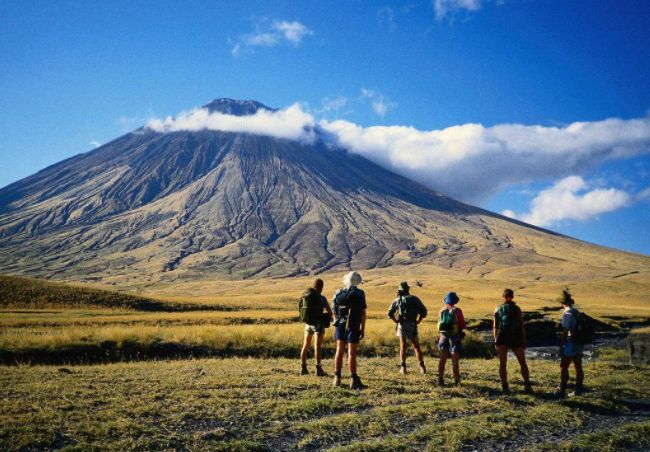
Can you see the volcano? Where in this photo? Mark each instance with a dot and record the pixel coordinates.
(195, 204)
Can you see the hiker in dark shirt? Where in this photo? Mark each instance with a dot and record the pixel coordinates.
(410, 312)
(349, 327)
(509, 333)
(317, 328)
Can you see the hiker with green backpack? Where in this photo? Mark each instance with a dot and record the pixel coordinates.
(451, 323)
(577, 330)
(311, 307)
(410, 312)
(510, 334)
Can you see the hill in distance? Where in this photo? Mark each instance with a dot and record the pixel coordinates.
(194, 205)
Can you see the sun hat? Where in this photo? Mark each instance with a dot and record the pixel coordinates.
(451, 298)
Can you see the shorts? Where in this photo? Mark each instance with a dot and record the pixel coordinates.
(314, 329)
(451, 344)
(510, 340)
(572, 350)
(408, 330)
(351, 336)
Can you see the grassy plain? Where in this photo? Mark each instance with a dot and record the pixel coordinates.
(261, 404)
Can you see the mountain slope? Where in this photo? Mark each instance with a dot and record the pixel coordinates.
(193, 204)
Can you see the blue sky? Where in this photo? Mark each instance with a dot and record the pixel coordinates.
(77, 74)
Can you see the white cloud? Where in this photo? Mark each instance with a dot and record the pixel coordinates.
(332, 105)
(94, 143)
(643, 194)
(445, 7)
(290, 123)
(469, 162)
(270, 34)
(379, 103)
(568, 199)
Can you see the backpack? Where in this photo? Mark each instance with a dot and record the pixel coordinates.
(448, 323)
(507, 318)
(310, 307)
(584, 332)
(343, 302)
(408, 308)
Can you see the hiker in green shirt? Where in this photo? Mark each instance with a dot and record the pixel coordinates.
(509, 333)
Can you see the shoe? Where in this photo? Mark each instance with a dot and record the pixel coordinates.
(423, 370)
(402, 369)
(528, 388)
(320, 372)
(441, 381)
(355, 383)
(456, 381)
(337, 381)
(505, 389)
(560, 394)
(578, 391)
(304, 370)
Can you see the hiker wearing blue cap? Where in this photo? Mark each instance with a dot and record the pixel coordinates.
(451, 324)
(410, 312)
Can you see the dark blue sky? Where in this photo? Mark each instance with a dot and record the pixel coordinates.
(76, 73)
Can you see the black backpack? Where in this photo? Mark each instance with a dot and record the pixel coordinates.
(310, 307)
(408, 308)
(584, 332)
(343, 302)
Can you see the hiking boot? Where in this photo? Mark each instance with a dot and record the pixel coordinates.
(320, 372)
(528, 388)
(505, 389)
(579, 390)
(423, 370)
(355, 383)
(441, 381)
(560, 394)
(304, 370)
(456, 381)
(337, 381)
(402, 369)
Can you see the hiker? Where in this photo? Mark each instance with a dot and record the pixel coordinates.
(571, 346)
(312, 305)
(451, 326)
(411, 312)
(509, 333)
(349, 326)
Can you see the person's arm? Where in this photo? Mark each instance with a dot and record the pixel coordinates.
(494, 324)
(461, 320)
(422, 312)
(523, 329)
(392, 310)
(363, 324)
(328, 309)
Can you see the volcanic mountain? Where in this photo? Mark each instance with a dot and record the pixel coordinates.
(201, 203)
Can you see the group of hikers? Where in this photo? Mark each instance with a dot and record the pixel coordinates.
(348, 313)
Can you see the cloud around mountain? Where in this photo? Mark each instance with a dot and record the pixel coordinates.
(470, 162)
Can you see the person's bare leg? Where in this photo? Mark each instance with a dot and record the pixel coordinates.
(441, 364)
(418, 349)
(521, 357)
(402, 349)
(580, 375)
(305, 348)
(338, 358)
(565, 362)
(455, 358)
(502, 351)
(318, 343)
(352, 358)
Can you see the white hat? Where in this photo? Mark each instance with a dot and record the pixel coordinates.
(352, 279)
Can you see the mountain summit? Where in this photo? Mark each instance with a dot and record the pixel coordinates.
(194, 204)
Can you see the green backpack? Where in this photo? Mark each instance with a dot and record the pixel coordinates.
(310, 307)
(585, 331)
(407, 308)
(507, 318)
(448, 323)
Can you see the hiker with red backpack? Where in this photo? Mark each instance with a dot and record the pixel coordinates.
(510, 334)
(311, 307)
(349, 327)
(576, 332)
(410, 312)
(451, 323)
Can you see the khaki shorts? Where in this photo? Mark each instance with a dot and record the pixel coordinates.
(314, 329)
(408, 330)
